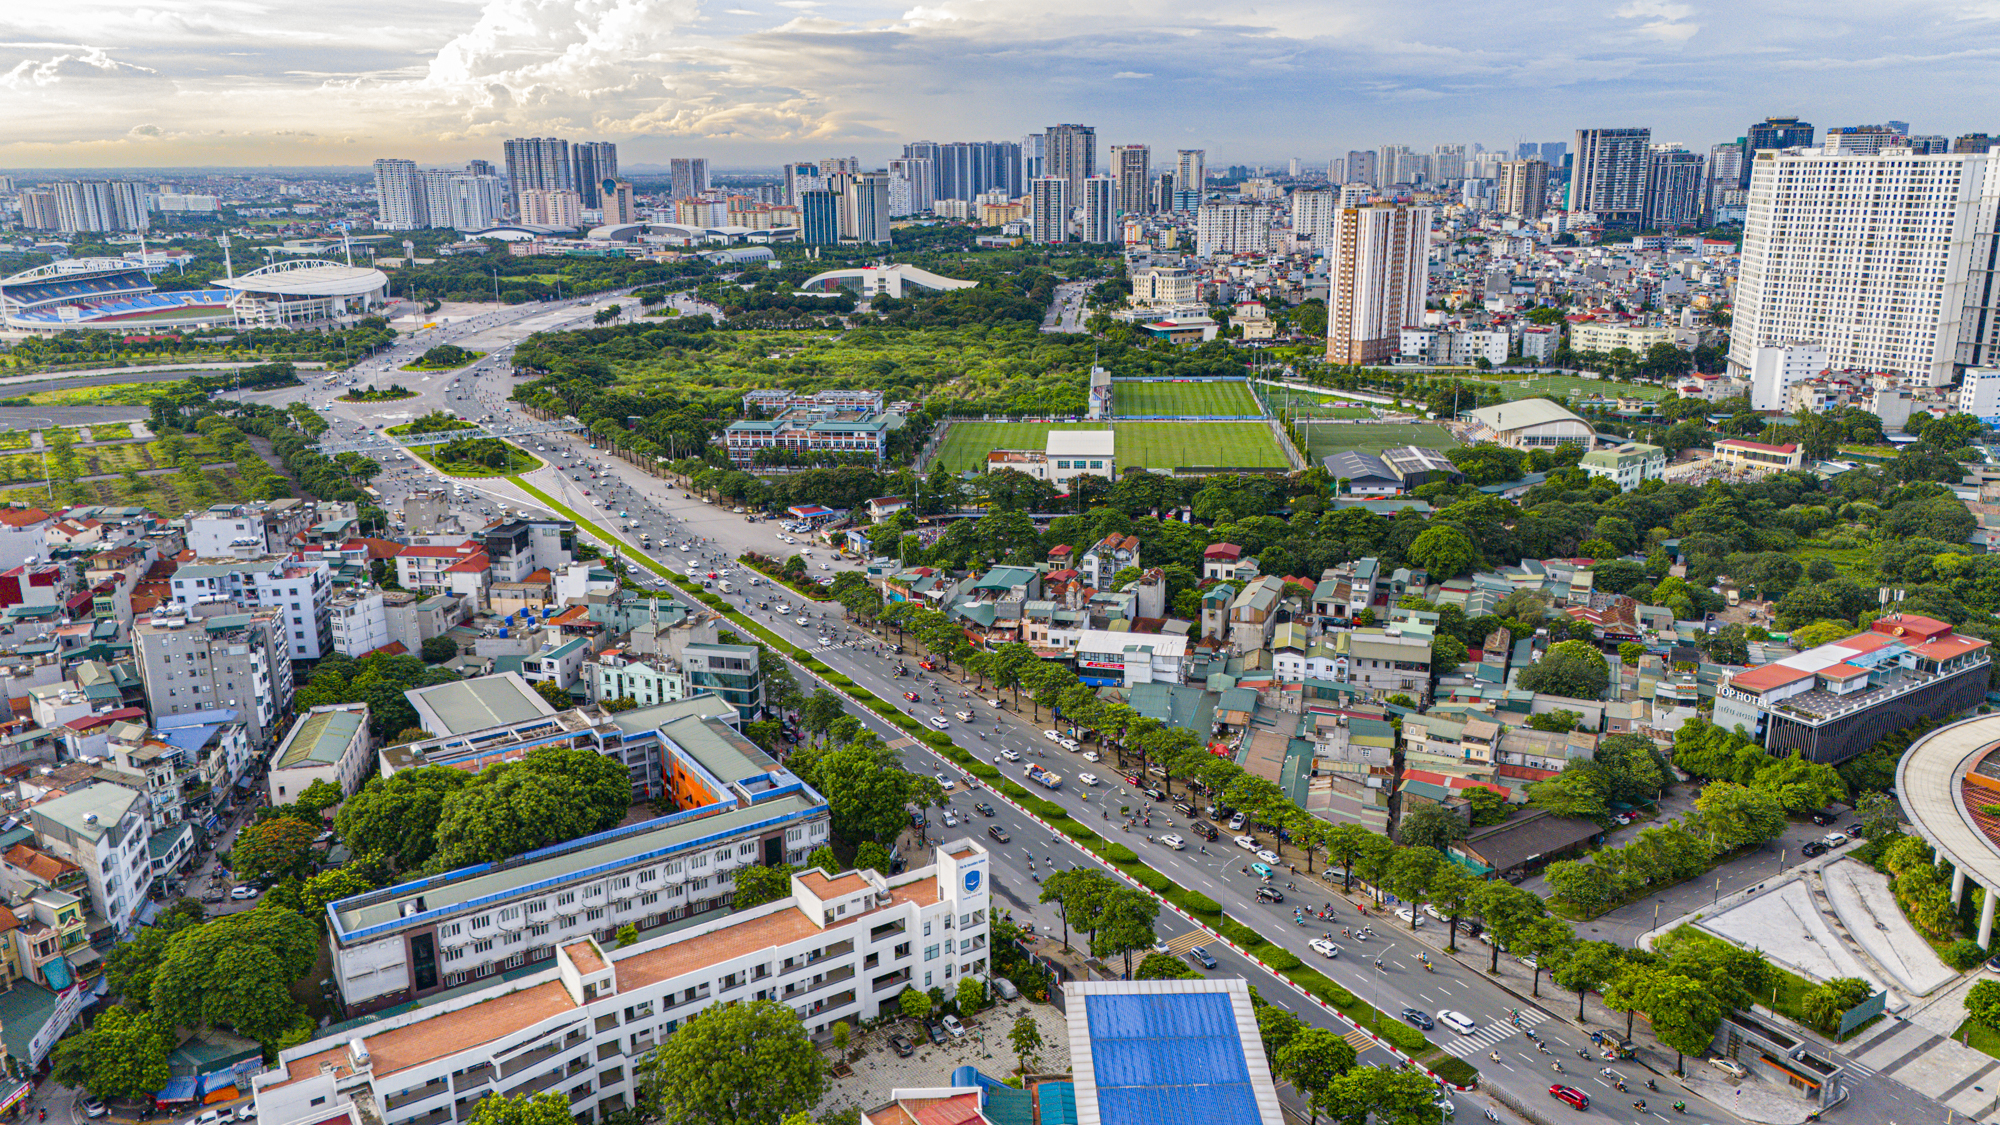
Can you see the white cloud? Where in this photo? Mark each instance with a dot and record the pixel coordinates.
(252, 81)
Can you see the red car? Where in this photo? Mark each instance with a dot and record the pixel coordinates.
(911, 696)
(1576, 1098)
(1131, 779)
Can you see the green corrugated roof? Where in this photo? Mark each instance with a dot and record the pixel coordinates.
(320, 739)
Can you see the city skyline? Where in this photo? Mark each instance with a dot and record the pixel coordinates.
(755, 84)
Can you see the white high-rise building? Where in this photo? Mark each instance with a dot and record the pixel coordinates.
(1378, 269)
(1448, 163)
(1231, 228)
(100, 205)
(1100, 209)
(1523, 189)
(1884, 258)
(864, 206)
(1132, 165)
(1312, 216)
(560, 208)
(1190, 175)
(912, 186)
(475, 202)
(1979, 393)
(399, 202)
(1048, 199)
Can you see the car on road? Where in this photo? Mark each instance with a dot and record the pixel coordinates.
(1070, 744)
(804, 621)
(1270, 894)
(214, 1117)
(998, 834)
(1833, 839)
(950, 819)
(1086, 779)
(1161, 946)
(1092, 756)
(963, 716)
(241, 893)
(1204, 829)
(940, 722)
(1247, 843)
(945, 783)
(1324, 947)
(1575, 1098)
(911, 696)
(1419, 1018)
(983, 809)
(1457, 1021)
(1200, 956)
(1404, 914)
(1270, 857)
(1010, 755)
(956, 1028)
(1052, 735)
(1260, 871)
(94, 1108)
(901, 1044)
(1174, 842)
(1812, 848)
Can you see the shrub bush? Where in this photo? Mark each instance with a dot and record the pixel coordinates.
(1238, 932)
(1119, 853)
(1456, 1071)
(980, 769)
(1964, 954)
(1014, 792)
(1152, 880)
(1279, 959)
(1403, 1037)
(1193, 902)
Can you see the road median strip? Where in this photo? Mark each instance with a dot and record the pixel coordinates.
(1308, 983)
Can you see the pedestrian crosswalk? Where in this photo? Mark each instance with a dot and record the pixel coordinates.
(1360, 1040)
(1495, 1032)
(1180, 945)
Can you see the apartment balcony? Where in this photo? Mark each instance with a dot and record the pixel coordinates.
(473, 1078)
(819, 981)
(882, 931)
(522, 1062)
(428, 1090)
(895, 980)
(438, 1116)
(534, 1085)
(831, 1003)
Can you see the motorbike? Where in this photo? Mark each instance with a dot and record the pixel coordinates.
(1652, 1085)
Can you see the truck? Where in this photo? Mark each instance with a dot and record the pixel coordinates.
(1042, 777)
(724, 586)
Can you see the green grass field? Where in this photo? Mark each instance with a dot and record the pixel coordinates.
(1153, 445)
(1130, 399)
(1375, 437)
(1577, 386)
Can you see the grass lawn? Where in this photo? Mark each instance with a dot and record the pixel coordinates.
(111, 394)
(111, 431)
(405, 431)
(1576, 385)
(1183, 399)
(1979, 1037)
(518, 461)
(420, 366)
(1153, 445)
(377, 396)
(1374, 437)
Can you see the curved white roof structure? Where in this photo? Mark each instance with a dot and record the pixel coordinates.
(885, 280)
(309, 277)
(72, 267)
(1931, 787)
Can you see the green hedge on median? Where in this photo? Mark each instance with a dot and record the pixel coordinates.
(1456, 1071)
(1194, 902)
(1277, 957)
(1238, 932)
(1119, 853)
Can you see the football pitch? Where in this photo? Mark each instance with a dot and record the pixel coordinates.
(1374, 437)
(1574, 386)
(1162, 446)
(1182, 400)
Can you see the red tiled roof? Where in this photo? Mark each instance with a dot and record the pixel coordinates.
(1950, 648)
(1768, 677)
(1223, 551)
(23, 517)
(1905, 626)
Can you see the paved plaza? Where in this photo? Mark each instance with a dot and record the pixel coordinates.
(878, 1071)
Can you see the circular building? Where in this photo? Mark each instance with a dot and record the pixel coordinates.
(1945, 783)
(109, 294)
(306, 292)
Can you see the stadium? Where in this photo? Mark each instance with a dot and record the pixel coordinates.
(117, 294)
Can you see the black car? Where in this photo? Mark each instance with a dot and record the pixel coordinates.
(1420, 1018)
(902, 1045)
(935, 1031)
(998, 833)
(1813, 848)
(1270, 894)
(983, 809)
(1856, 830)
(1155, 794)
(1204, 829)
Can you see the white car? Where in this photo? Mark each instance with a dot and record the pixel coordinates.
(1433, 912)
(215, 1117)
(1174, 842)
(950, 819)
(1457, 1021)
(1010, 755)
(240, 893)
(946, 783)
(1268, 856)
(1086, 779)
(1069, 744)
(804, 621)
(1247, 843)
(1403, 912)
(939, 722)
(1833, 839)
(1052, 736)
(956, 1028)
(963, 716)
(1324, 947)
(1092, 756)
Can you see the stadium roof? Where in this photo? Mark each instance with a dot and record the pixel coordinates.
(309, 277)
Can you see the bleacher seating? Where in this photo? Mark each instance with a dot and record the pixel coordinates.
(137, 304)
(35, 293)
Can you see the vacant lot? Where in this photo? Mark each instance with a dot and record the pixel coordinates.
(1152, 445)
(1182, 400)
(1374, 437)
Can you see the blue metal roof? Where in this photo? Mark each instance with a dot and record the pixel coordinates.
(1168, 1060)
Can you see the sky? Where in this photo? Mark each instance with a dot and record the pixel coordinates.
(749, 83)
